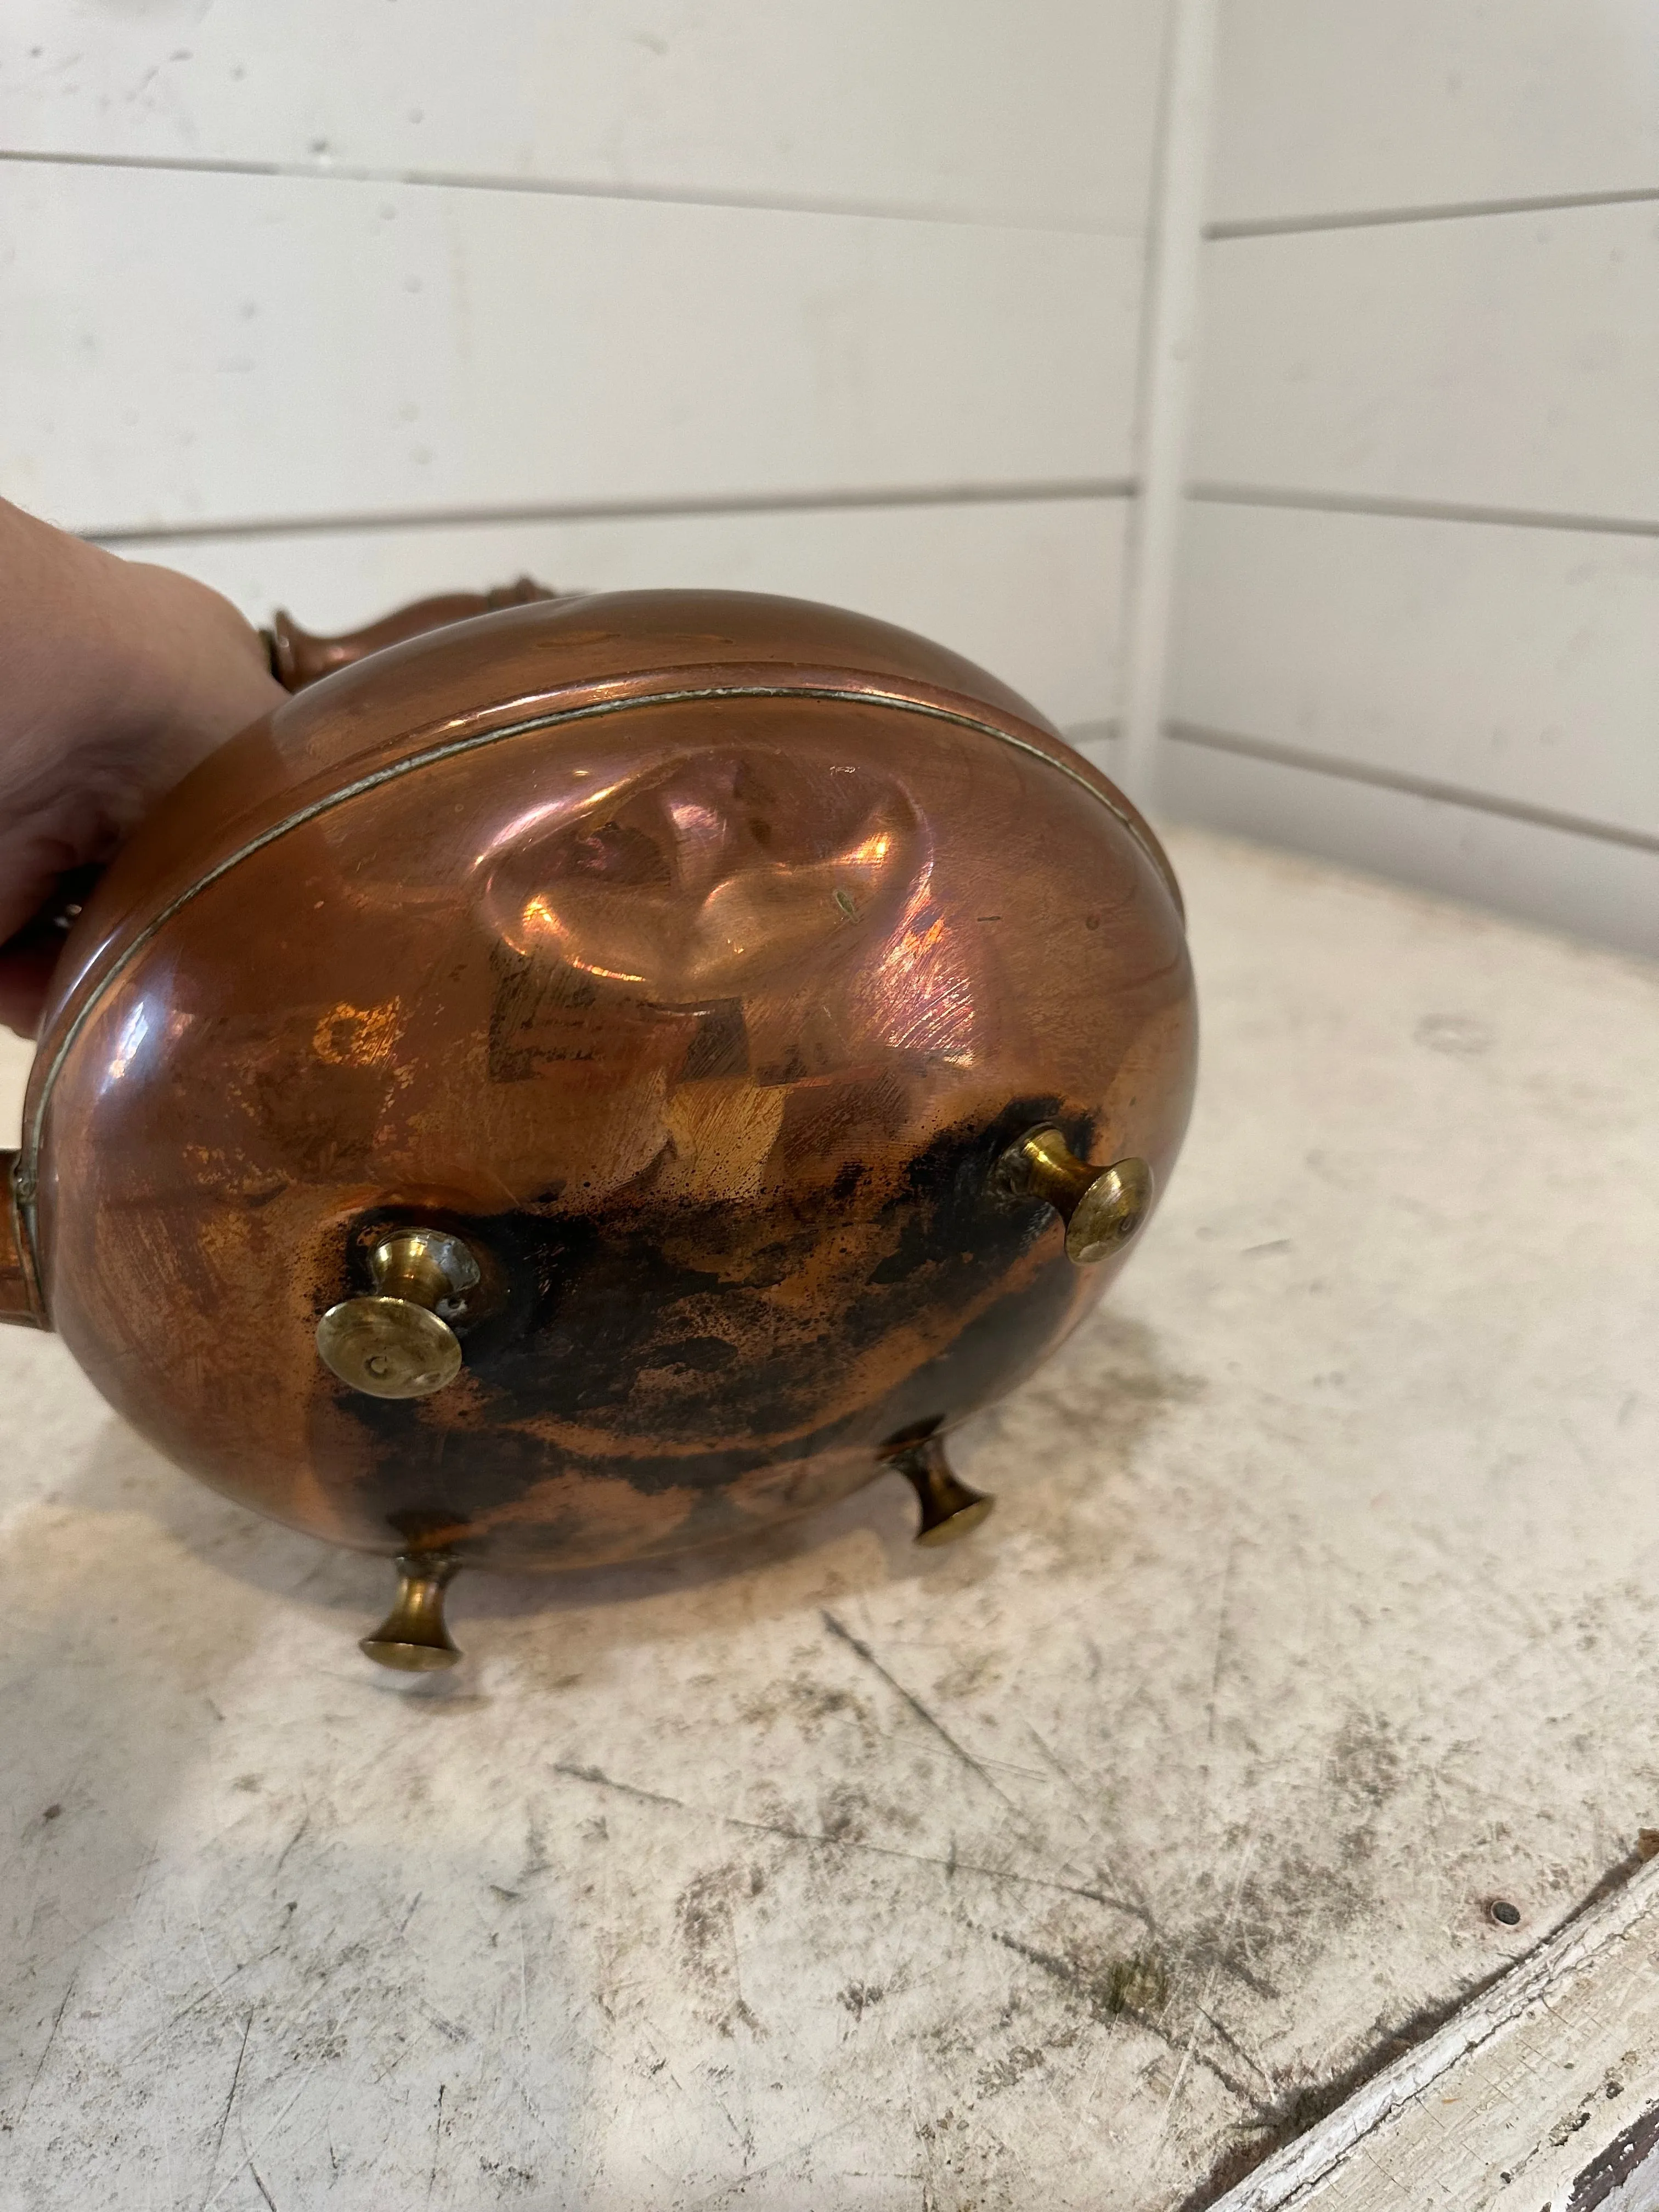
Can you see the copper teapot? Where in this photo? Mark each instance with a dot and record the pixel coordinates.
(597, 1077)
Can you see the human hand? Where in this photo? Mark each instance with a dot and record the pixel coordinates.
(119, 676)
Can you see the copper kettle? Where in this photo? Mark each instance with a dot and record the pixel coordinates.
(597, 1077)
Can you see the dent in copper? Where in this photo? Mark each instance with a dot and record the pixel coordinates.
(694, 958)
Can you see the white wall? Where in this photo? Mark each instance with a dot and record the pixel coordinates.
(333, 306)
(1350, 452)
(1419, 609)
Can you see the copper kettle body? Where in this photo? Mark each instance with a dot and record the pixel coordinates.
(600, 1076)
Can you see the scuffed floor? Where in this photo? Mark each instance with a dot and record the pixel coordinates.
(1320, 1607)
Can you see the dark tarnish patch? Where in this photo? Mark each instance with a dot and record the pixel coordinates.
(719, 1045)
(662, 1328)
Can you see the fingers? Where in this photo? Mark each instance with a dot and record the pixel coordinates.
(206, 672)
(120, 677)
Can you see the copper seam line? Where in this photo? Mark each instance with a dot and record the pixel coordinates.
(28, 1168)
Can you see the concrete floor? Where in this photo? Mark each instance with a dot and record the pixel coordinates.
(1322, 1608)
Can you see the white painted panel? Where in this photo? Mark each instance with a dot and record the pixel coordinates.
(1043, 112)
(187, 348)
(1550, 2072)
(1523, 663)
(1502, 361)
(16, 1062)
(1581, 884)
(1030, 590)
(1328, 106)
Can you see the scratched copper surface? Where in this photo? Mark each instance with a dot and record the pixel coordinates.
(1320, 1608)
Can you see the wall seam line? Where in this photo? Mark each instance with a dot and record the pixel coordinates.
(465, 180)
(1417, 510)
(1301, 226)
(1414, 787)
(1076, 490)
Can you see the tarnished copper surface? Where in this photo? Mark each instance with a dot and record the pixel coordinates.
(694, 959)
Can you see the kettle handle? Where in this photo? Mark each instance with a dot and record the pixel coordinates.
(21, 1302)
(298, 657)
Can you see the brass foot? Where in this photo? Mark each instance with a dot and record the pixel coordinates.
(949, 1508)
(1102, 1207)
(397, 1342)
(412, 1637)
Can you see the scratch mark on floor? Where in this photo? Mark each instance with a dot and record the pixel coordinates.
(139, 1886)
(437, 2142)
(288, 1847)
(51, 2037)
(754, 2174)
(258, 2183)
(218, 1985)
(1109, 1998)
(1236, 2046)
(952, 1865)
(447, 2028)
(1089, 1801)
(311, 2134)
(916, 1706)
(562, 2141)
(816, 1840)
(603, 1781)
(1220, 1656)
(1199, 2013)
(1053, 1759)
(167, 2026)
(215, 1991)
(224, 2117)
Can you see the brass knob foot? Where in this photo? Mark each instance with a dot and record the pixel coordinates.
(397, 1343)
(949, 1508)
(413, 1637)
(1102, 1207)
